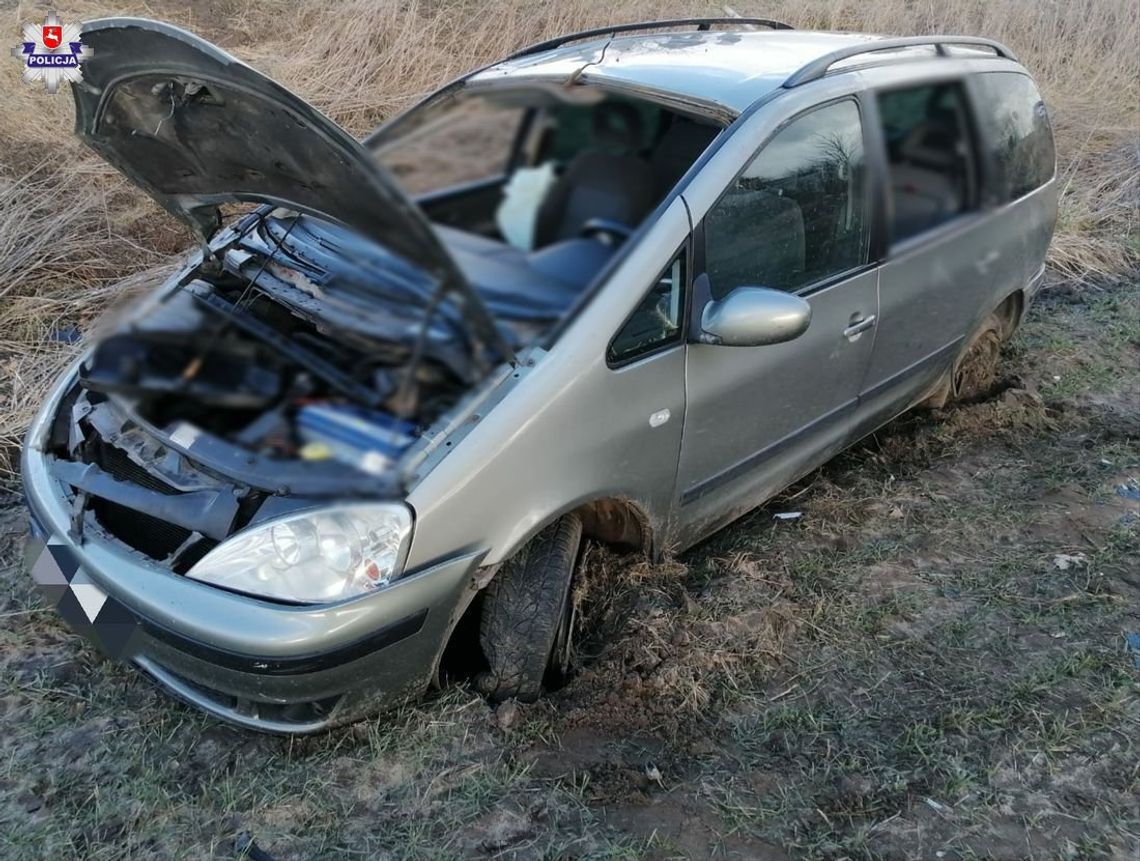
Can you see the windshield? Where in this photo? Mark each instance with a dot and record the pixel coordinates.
(452, 142)
(469, 137)
(531, 189)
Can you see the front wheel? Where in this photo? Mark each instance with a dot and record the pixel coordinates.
(525, 611)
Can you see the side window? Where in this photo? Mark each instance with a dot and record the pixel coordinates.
(930, 161)
(798, 212)
(1017, 132)
(657, 320)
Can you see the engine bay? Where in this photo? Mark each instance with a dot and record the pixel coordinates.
(230, 400)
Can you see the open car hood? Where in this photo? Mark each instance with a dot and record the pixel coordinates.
(196, 128)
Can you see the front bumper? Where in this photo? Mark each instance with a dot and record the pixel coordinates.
(262, 665)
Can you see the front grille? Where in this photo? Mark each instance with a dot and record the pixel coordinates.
(150, 535)
(192, 555)
(119, 464)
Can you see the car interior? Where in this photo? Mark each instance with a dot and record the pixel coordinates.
(596, 165)
(928, 154)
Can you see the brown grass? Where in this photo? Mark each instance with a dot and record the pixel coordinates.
(69, 229)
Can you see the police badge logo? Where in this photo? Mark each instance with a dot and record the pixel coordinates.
(51, 52)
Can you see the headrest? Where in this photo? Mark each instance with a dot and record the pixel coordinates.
(618, 124)
(930, 144)
(683, 142)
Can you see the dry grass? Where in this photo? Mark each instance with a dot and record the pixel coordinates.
(60, 270)
(69, 229)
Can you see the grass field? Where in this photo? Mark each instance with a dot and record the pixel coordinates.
(930, 663)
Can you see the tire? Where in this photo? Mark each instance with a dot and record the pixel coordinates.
(524, 611)
(975, 372)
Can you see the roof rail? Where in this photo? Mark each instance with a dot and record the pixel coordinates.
(818, 67)
(699, 23)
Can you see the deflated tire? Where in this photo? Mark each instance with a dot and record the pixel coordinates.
(525, 606)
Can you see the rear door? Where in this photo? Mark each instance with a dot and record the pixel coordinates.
(939, 271)
(796, 219)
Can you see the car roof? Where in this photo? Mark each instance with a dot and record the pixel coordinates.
(729, 69)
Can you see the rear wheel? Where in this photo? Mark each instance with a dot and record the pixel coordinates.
(526, 612)
(976, 370)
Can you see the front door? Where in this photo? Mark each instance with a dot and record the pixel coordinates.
(796, 219)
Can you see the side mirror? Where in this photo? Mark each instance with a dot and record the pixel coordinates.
(753, 317)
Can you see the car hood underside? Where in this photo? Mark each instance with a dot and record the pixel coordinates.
(196, 128)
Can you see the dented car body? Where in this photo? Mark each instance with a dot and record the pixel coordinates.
(635, 283)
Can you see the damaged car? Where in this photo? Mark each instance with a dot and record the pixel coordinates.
(622, 286)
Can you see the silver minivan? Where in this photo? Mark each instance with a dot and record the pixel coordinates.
(622, 286)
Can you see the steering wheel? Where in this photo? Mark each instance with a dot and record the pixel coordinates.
(606, 230)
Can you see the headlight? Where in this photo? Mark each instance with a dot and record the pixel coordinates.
(313, 557)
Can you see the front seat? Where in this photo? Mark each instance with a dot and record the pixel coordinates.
(610, 182)
(678, 150)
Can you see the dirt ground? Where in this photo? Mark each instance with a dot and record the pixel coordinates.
(931, 662)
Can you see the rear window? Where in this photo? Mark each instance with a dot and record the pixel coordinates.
(1017, 131)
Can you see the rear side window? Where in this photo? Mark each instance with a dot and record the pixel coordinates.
(797, 214)
(1016, 126)
(929, 157)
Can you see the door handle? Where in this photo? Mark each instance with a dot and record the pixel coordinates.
(859, 327)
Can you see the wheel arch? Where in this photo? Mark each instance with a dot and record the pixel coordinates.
(612, 520)
(1011, 310)
(616, 520)
(619, 522)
